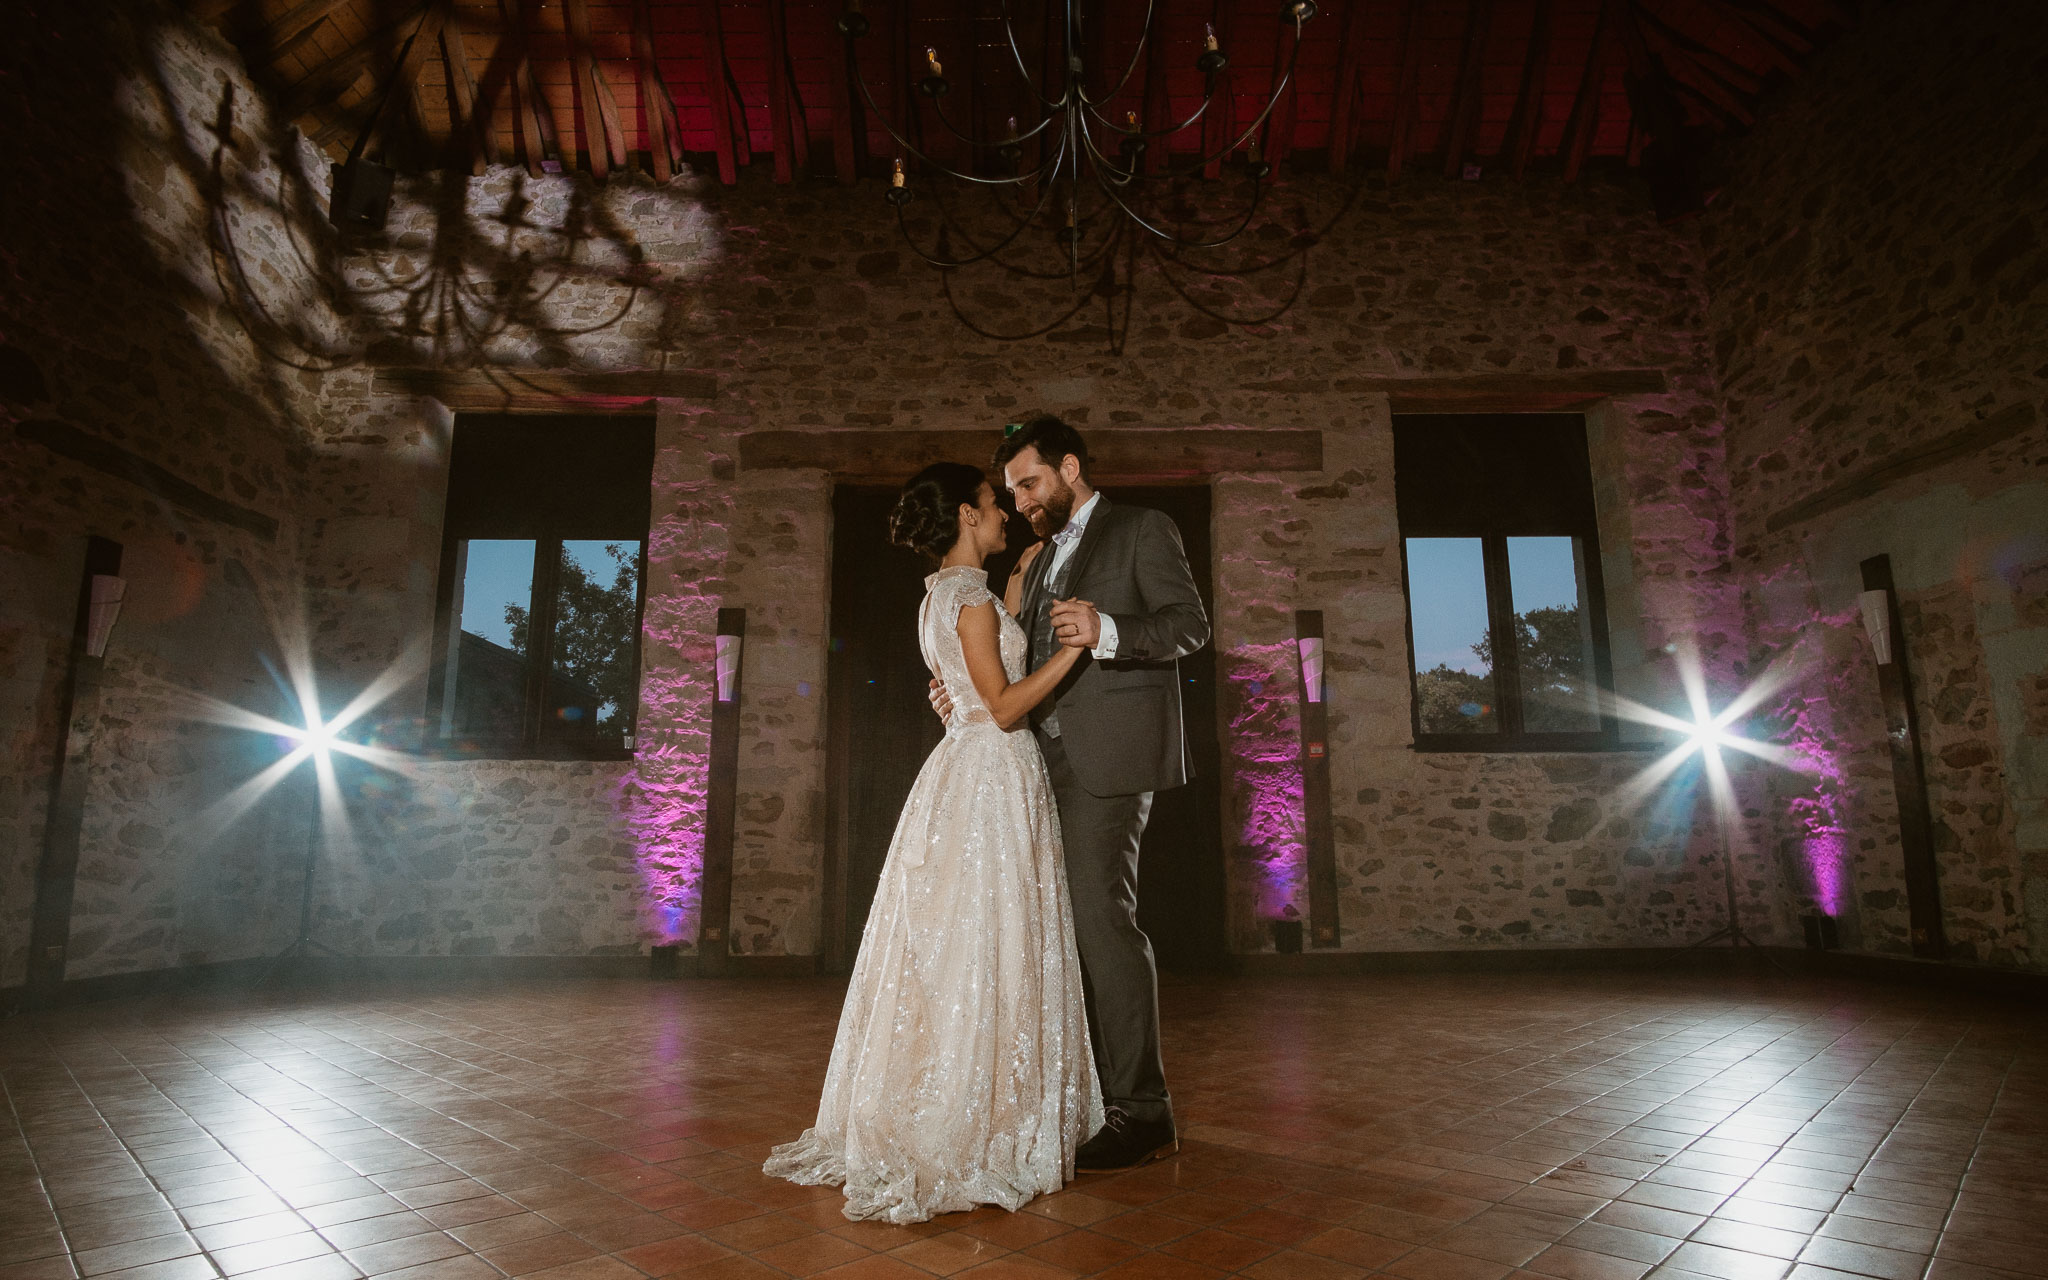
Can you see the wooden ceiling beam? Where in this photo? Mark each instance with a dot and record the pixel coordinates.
(1216, 121)
(1158, 101)
(576, 25)
(1464, 116)
(723, 138)
(1578, 130)
(1775, 50)
(846, 146)
(287, 33)
(652, 108)
(1280, 124)
(1730, 72)
(405, 77)
(1527, 121)
(339, 72)
(781, 123)
(1405, 88)
(526, 107)
(1344, 92)
(470, 134)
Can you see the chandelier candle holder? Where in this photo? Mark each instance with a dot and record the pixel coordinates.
(1078, 190)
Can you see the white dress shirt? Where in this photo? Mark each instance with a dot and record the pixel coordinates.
(1062, 551)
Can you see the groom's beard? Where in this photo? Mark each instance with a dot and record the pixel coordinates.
(1054, 512)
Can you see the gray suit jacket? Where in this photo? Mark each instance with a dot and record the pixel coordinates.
(1120, 718)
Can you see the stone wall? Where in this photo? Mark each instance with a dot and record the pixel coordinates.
(137, 407)
(1880, 291)
(797, 308)
(810, 316)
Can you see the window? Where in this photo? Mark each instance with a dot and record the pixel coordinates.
(1506, 621)
(543, 568)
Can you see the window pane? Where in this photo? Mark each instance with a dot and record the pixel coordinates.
(1453, 659)
(484, 683)
(593, 688)
(1553, 635)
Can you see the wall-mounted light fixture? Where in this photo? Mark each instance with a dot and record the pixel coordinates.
(1311, 668)
(107, 590)
(1877, 622)
(721, 800)
(1318, 830)
(729, 647)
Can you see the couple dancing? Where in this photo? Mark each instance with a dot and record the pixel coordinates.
(1002, 1025)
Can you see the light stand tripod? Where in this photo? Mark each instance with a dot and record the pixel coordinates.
(303, 946)
(1732, 931)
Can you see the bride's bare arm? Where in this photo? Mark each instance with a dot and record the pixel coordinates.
(980, 645)
(1013, 594)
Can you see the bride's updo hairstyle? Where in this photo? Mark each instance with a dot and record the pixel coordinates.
(927, 515)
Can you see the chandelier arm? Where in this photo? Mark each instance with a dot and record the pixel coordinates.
(905, 143)
(939, 109)
(1258, 193)
(1293, 58)
(980, 254)
(1144, 31)
(1208, 97)
(1298, 251)
(1010, 33)
(1300, 280)
(946, 285)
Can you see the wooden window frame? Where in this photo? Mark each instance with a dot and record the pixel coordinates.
(547, 536)
(1481, 518)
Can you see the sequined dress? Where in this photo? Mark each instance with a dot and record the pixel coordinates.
(961, 1073)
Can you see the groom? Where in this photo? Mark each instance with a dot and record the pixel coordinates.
(1116, 583)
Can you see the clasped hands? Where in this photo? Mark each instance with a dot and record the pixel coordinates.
(1077, 624)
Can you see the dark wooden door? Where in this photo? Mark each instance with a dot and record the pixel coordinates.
(881, 728)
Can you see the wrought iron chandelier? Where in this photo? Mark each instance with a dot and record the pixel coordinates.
(1076, 194)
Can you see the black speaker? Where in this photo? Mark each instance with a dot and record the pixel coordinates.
(362, 195)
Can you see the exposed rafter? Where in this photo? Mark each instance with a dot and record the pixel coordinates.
(1377, 74)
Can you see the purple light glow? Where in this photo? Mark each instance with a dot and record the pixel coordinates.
(1265, 741)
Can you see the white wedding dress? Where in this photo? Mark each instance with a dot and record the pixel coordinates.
(961, 1073)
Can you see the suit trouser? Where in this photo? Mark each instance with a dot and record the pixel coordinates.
(1101, 834)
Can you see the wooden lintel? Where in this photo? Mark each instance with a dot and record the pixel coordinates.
(492, 390)
(1129, 456)
(1501, 393)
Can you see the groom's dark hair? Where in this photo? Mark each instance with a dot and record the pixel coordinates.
(1054, 440)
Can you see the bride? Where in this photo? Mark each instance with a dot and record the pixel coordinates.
(961, 1074)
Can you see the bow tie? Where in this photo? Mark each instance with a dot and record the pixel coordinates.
(1069, 535)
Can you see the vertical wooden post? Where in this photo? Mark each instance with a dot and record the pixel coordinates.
(1323, 929)
(1909, 775)
(57, 872)
(721, 801)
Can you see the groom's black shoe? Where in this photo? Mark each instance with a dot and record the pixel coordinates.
(1125, 1142)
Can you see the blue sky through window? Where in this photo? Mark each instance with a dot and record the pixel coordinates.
(499, 572)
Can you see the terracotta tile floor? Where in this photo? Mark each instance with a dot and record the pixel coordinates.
(1584, 1127)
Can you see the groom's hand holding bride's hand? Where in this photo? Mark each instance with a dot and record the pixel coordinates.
(1076, 624)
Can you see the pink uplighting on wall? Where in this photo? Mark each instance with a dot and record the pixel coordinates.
(1265, 743)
